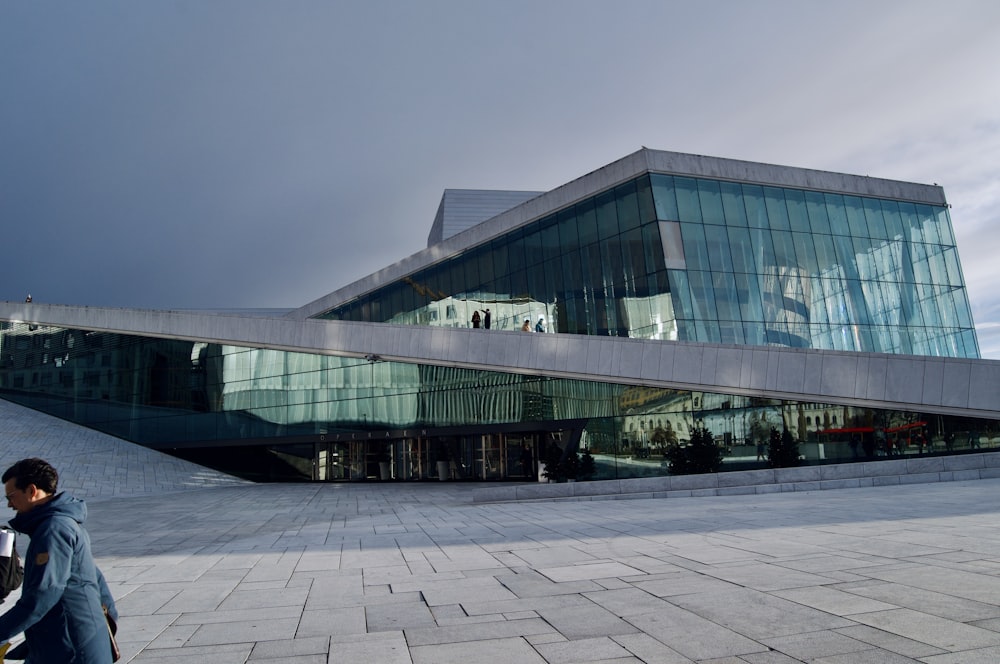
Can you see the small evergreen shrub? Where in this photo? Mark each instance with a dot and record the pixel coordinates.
(700, 455)
(783, 450)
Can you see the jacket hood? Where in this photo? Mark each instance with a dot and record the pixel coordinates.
(61, 505)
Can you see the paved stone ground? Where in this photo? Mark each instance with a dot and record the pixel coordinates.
(416, 573)
(94, 465)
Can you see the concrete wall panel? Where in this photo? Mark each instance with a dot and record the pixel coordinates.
(958, 386)
(668, 352)
(933, 385)
(904, 379)
(630, 360)
(957, 379)
(687, 364)
(984, 387)
(874, 371)
(709, 365)
(812, 380)
(840, 374)
(758, 368)
(650, 361)
(791, 372)
(729, 366)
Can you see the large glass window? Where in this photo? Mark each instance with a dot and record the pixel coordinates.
(688, 205)
(710, 198)
(664, 198)
(808, 268)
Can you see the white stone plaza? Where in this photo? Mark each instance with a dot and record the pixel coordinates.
(207, 568)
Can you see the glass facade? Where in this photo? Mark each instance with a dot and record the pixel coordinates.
(282, 415)
(696, 259)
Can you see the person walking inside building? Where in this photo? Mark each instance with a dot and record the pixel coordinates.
(540, 325)
(527, 326)
(475, 319)
(60, 609)
(487, 319)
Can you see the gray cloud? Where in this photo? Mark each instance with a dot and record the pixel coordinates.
(240, 154)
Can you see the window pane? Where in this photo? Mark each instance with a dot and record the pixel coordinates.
(732, 204)
(703, 302)
(727, 301)
(711, 202)
(753, 199)
(572, 270)
(470, 268)
(533, 246)
(741, 250)
(837, 210)
(688, 206)
(944, 225)
(647, 210)
(501, 261)
(586, 219)
(777, 213)
(628, 206)
(952, 268)
(717, 239)
(681, 291)
(816, 209)
(826, 255)
(856, 221)
(845, 254)
(695, 248)
(748, 294)
(763, 250)
(607, 215)
(569, 238)
(673, 245)
(550, 239)
(784, 249)
(485, 261)
(797, 215)
(928, 224)
(664, 198)
(611, 257)
(553, 282)
(874, 219)
(515, 254)
(633, 256)
(893, 220)
(593, 270)
(652, 248)
(805, 252)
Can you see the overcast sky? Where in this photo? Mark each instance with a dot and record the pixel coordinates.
(237, 153)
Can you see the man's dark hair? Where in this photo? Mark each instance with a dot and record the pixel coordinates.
(33, 471)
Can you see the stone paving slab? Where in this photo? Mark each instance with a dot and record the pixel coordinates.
(208, 569)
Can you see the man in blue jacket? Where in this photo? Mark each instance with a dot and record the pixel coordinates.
(60, 606)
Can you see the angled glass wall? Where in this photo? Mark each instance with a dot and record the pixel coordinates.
(694, 259)
(281, 415)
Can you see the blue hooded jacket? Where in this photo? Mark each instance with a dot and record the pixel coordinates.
(60, 606)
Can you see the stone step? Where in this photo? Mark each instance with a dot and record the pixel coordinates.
(920, 470)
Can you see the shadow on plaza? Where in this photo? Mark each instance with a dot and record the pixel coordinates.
(269, 518)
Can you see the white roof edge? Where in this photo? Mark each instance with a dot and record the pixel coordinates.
(617, 172)
(903, 382)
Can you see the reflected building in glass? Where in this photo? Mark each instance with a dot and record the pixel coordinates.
(670, 257)
(674, 291)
